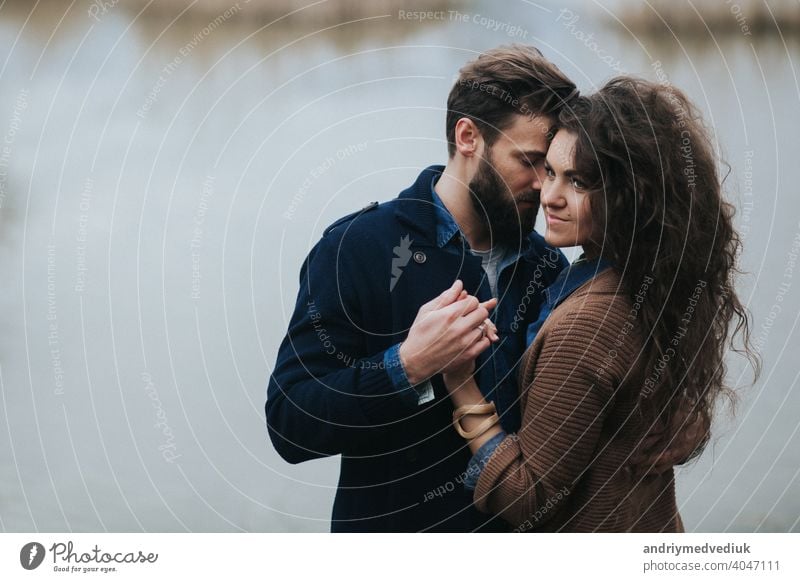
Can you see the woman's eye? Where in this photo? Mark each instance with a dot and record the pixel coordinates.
(577, 184)
(549, 172)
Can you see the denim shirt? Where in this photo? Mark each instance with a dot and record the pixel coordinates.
(578, 273)
(446, 229)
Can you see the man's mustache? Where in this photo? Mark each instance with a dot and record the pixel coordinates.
(530, 197)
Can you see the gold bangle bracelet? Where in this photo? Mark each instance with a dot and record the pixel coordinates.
(482, 428)
(462, 411)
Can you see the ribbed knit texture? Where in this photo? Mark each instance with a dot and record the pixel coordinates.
(568, 468)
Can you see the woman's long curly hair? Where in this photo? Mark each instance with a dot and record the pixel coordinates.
(648, 162)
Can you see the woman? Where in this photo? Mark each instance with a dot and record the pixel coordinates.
(633, 335)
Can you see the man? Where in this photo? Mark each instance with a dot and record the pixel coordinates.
(380, 311)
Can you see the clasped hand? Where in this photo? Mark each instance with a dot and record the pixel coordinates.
(448, 334)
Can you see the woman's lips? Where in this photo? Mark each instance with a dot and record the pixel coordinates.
(554, 219)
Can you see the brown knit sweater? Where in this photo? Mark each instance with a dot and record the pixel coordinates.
(568, 468)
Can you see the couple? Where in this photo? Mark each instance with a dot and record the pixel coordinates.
(468, 376)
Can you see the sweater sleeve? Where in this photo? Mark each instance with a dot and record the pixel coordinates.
(566, 405)
(326, 395)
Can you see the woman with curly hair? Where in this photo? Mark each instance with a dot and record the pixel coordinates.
(632, 339)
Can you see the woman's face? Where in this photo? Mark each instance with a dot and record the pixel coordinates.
(565, 200)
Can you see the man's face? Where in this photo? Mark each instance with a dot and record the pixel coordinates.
(505, 188)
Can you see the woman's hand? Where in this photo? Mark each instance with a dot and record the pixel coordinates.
(690, 433)
(460, 372)
(461, 385)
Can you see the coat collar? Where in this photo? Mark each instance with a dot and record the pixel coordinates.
(416, 209)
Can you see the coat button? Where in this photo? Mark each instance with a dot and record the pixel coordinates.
(419, 257)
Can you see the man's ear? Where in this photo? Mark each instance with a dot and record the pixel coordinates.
(469, 141)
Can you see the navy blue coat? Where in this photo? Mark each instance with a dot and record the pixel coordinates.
(330, 394)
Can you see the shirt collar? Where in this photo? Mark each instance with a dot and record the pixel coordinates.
(573, 277)
(447, 228)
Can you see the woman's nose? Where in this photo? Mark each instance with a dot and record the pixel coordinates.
(550, 195)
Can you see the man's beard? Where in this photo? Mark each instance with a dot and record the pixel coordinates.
(496, 207)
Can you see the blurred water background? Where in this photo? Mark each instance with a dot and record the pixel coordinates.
(165, 166)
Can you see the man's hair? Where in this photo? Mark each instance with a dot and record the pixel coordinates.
(502, 83)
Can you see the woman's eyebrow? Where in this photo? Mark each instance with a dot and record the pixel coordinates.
(569, 172)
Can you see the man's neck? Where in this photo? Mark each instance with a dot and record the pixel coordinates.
(453, 189)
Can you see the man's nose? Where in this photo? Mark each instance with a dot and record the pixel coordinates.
(537, 180)
(538, 172)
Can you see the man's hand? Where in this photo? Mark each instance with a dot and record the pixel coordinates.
(446, 334)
